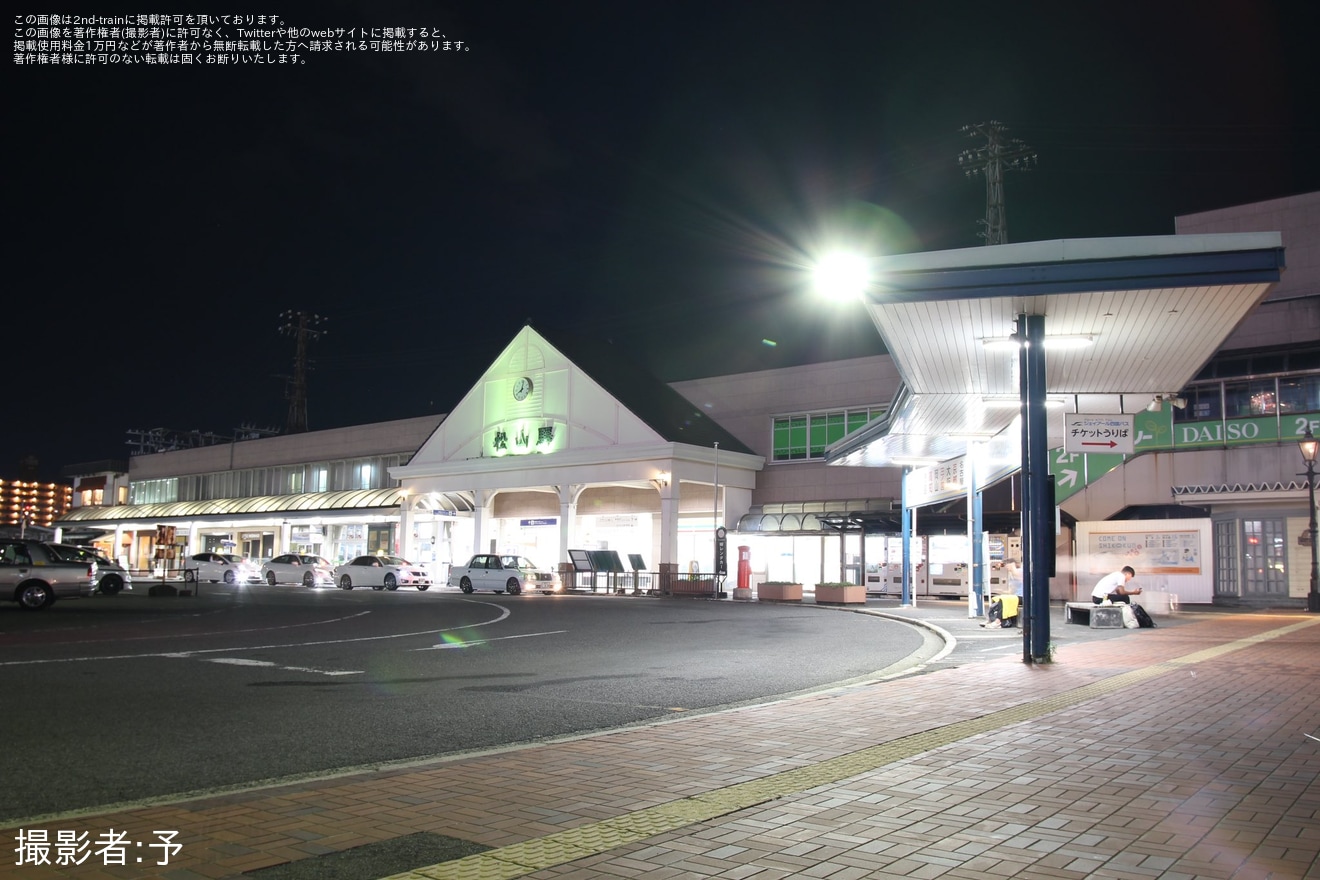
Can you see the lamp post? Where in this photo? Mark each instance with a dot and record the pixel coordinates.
(1310, 446)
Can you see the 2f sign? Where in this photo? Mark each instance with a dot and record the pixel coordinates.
(1111, 433)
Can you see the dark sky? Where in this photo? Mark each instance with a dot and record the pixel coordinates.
(651, 173)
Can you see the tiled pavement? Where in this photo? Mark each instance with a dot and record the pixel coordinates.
(1177, 752)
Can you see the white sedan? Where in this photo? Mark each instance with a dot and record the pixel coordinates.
(217, 567)
(503, 574)
(298, 568)
(381, 573)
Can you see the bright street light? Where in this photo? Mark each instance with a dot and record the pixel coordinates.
(842, 276)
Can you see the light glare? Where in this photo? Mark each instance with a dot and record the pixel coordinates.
(842, 276)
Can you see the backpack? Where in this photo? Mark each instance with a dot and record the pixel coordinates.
(1143, 619)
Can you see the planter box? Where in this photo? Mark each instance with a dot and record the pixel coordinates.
(779, 592)
(836, 595)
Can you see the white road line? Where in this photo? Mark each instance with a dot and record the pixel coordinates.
(243, 661)
(504, 612)
(475, 643)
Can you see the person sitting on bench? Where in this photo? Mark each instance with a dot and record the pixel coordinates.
(1004, 609)
(1113, 587)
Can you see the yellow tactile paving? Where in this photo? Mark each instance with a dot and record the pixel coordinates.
(567, 846)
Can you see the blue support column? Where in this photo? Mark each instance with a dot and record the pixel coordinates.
(1037, 512)
(977, 580)
(907, 539)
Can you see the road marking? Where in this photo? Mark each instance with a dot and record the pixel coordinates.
(504, 612)
(476, 642)
(243, 661)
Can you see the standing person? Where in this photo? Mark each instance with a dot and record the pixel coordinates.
(1114, 587)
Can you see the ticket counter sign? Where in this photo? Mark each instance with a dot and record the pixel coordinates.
(1110, 433)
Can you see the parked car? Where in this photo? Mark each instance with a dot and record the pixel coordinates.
(34, 575)
(298, 568)
(218, 567)
(381, 573)
(111, 577)
(503, 574)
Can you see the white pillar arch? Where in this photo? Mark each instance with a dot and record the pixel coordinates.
(568, 496)
(669, 496)
(482, 508)
(405, 548)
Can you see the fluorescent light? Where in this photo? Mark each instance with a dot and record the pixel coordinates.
(1068, 342)
(1010, 401)
(1056, 343)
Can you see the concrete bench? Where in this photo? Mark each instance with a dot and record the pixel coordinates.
(1097, 616)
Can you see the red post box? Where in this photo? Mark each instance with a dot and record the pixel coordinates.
(744, 568)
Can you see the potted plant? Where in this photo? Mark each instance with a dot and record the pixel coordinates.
(837, 593)
(779, 591)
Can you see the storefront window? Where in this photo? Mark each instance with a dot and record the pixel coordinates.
(1253, 397)
(1203, 404)
(1299, 394)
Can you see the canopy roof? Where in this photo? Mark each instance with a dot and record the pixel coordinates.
(1145, 313)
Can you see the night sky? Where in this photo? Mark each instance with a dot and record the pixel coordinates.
(649, 175)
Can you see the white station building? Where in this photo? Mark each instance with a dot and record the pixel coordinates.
(1200, 348)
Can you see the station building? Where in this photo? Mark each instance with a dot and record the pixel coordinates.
(561, 446)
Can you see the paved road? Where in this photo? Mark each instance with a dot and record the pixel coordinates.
(112, 700)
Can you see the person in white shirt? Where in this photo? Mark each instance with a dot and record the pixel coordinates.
(1114, 587)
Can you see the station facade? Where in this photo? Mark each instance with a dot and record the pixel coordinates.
(559, 446)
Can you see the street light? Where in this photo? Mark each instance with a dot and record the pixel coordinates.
(1310, 446)
(842, 276)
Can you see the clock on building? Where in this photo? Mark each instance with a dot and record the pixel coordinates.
(522, 386)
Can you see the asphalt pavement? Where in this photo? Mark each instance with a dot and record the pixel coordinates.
(1184, 751)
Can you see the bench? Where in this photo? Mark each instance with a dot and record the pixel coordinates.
(1097, 616)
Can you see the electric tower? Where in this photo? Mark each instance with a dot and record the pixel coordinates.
(303, 327)
(997, 155)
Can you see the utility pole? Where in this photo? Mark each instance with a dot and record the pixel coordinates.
(302, 326)
(997, 155)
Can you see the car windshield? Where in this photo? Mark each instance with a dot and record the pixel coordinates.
(235, 560)
(516, 562)
(313, 560)
(394, 560)
(77, 554)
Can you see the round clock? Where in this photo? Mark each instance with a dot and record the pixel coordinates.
(522, 386)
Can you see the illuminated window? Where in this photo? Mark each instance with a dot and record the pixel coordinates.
(804, 437)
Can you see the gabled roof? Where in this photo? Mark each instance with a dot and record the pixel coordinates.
(671, 415)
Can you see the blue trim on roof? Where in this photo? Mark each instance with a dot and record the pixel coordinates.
(1084, 276)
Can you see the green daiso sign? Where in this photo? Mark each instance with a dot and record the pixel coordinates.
(1157, 432)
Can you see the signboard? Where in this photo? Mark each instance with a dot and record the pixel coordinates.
(937, 482)
(1098, 433)
(539, 521)
(635, 560)
(1149, 551)
(606, 560)
(581, 560)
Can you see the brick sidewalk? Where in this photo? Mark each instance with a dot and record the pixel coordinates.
(1178, 752)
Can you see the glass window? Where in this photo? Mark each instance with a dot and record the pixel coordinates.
(1203, 403)
(1299, 394)
(797, 438)
(1252, 397)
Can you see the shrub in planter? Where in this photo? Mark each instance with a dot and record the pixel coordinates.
(779, 591)
(840, 594)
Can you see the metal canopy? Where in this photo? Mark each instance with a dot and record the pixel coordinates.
(1153, 310)
(351, 499)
